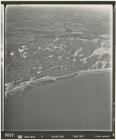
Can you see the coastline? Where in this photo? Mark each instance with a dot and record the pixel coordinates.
(46, 80)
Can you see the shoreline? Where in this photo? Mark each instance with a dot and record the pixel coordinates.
(48, 79)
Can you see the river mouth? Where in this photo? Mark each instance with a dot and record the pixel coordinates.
(80, 103)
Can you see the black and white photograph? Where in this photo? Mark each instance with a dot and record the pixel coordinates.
(57, 69)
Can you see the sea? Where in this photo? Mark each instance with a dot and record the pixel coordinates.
(79, 103)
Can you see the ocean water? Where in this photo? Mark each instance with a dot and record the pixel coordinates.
(80, 103)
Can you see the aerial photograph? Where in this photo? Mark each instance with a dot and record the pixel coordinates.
(58, 67)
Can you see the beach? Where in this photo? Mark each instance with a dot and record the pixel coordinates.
(81, 103)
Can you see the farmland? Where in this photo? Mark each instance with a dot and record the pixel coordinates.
(54, 43)
(58, 64)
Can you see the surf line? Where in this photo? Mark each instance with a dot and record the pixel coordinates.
(54, 78)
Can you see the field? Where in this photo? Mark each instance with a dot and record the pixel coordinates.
(58, 63)
(45, 42)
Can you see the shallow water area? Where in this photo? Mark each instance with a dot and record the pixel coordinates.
(81, 103)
